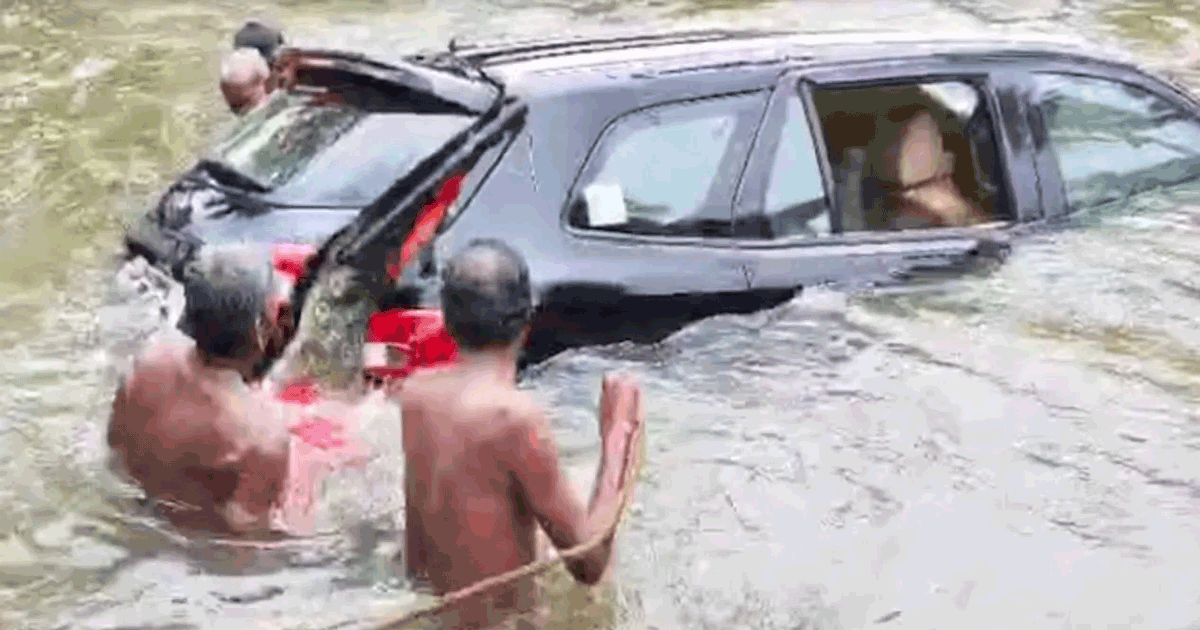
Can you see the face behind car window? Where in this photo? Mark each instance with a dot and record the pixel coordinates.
(1113, 139)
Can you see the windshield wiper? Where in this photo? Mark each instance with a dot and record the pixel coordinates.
(230, 176)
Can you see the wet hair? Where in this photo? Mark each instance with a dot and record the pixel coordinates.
(243, 66)
(227, 291)
(265, 39)
(486, 295)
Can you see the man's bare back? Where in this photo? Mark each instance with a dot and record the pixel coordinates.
(210, 448)
(209, 441)
(483, 474)
(459, 492)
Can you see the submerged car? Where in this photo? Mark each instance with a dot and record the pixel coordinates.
(654, 180)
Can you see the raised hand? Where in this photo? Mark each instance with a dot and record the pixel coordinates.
(621, 416)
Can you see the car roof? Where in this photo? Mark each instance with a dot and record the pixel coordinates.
(544, 61)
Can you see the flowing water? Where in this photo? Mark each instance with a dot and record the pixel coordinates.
(1011, 450)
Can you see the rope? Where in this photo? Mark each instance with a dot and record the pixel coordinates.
(632, 460)
(632, 464)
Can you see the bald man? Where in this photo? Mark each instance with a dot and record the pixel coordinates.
(483, 471)
(214, 449)
(187, 427)
(244, 75)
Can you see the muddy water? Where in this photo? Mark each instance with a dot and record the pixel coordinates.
(1016, 449)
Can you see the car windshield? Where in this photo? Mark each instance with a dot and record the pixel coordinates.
(312, 153)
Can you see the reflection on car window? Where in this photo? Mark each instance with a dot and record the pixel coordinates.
(959, 98)
(278, 140)
(794, 203)
(657, 170)
(1114, 139)
(331, 155)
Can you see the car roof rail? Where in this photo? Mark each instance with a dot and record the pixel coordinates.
(481, 53)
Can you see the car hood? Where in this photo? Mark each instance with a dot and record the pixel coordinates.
(197, 210)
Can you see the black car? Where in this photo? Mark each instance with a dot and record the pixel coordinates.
(652, 180)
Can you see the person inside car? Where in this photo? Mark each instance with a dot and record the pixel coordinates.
(244, 80)
(483, 471)
(926, 194)
(211, 447)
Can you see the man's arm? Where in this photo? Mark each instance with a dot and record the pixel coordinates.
(259, 489)
(133, 409)
(118, 435)
(538, 472)
(263, 468)
(416, 556)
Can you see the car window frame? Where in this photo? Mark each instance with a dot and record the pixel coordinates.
(840, 75)
(755, 177)
(1126, 76)
(589, 167)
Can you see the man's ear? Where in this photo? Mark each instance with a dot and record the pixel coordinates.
(262, 333)
(286, 316)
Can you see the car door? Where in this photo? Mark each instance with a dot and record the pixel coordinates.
(793, 223)
(648, 223)
(1024, 121)
(652, 204)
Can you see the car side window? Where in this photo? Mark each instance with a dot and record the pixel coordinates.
(791, 202)
(909, 155)
(1113, 139)
(668, 170)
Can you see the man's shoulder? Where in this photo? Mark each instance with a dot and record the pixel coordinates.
(504, 405)
(159, 363)
(415, 387)
(521, 417)
(524, 409)
(165, 350)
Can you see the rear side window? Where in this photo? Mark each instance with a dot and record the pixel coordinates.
(668, 170)
(310, 153)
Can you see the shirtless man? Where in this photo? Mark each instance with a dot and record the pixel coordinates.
(483, 471)
(244, 76)
(209, 447)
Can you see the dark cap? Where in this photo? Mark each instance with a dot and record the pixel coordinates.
(265, 39)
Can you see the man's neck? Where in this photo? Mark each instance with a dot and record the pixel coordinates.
(243, 368)
(494, 364)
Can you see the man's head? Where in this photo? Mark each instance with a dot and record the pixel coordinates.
(231, 296)
(486, 297)
(244, 76)
(265, 39)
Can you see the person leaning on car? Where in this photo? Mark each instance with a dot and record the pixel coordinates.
(246, 72)
(244, 80)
